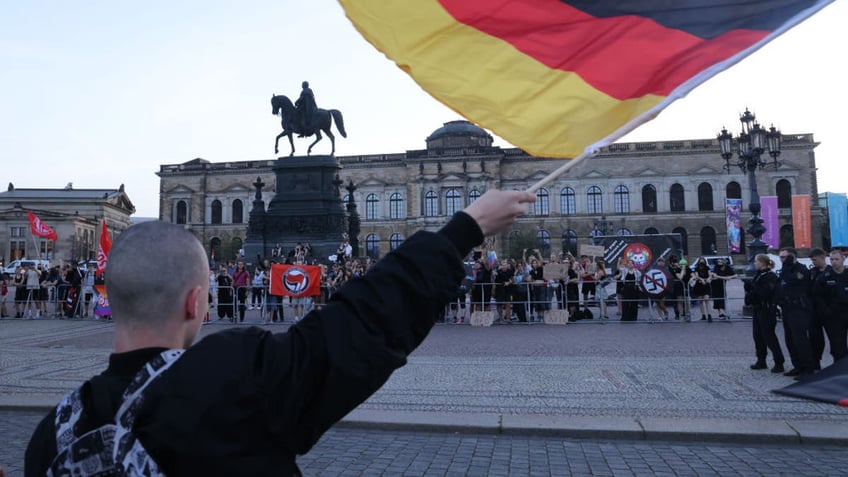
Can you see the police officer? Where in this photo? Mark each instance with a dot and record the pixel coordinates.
(793, 297)
(821, 304)
(759, 294)
(836, 322)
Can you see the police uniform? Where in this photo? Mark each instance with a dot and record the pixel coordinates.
(793, 297)
(836, 316)
(760, 296)
(821, 312)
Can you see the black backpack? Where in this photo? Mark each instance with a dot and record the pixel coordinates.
(113, 449)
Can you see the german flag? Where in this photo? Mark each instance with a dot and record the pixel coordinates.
(558, 77)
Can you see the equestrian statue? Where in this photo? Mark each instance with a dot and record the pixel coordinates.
(304, 118)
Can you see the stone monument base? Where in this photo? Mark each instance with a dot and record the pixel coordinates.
(306, 208)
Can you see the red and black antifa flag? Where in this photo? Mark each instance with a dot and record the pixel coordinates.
(560, 77)
(295, 280)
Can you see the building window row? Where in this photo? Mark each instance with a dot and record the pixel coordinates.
(216, 212)
(372, 244)
(621, 198)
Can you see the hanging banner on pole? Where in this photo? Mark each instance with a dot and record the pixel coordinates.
(771, 221)
(733, 217)
(801, 221)
(837, 214)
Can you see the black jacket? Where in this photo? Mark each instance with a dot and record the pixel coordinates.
(246, 401)
(760, 290)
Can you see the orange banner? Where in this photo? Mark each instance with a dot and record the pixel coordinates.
(801, 221)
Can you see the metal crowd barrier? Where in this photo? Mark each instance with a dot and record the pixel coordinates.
(526, 301)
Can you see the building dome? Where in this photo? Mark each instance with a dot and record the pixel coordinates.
(458, 134)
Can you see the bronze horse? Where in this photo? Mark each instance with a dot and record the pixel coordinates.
(321, 121)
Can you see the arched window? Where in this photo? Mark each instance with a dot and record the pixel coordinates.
(622, 199)
(684, 239)
(566, 201)
(217, 211)
(708, 241)
(431, 204)
(345, 199)
(395, 240)
(543, 242)
(705, 197)
(396, 206)
(784, 194)
(542, 206)
(453, 201)
(182, 212)
(372, 246)
(238, 212)
(473, 195)
(733, 190)
(569, 242)
(651, 231)
(594, 200)
(371, 205)
(787, 236)
(678, 201)
(649, 198)
(623, 232)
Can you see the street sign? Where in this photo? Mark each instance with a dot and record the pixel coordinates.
(655, 281)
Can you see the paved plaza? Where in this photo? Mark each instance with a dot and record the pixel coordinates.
(549, 397)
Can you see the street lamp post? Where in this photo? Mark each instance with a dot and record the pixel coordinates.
(751, 143)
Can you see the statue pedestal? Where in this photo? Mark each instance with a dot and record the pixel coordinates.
(306, 207)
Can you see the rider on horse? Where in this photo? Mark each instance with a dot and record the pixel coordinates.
(306, 107)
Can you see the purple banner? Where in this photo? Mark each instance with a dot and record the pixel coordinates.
(733, 208)
(771, 221)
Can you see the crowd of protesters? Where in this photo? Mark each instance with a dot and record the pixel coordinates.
(811, 302)
(525, 289)
(233, 290)
(35, 291)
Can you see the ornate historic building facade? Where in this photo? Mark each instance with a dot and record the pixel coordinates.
(74, 214)
(628, 188)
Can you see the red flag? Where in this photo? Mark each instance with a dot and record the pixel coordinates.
(295, 280)
(103, 249)
(39, 228)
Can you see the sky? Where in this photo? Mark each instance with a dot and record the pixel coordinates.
(101, 93)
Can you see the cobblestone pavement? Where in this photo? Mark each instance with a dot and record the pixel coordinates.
(645, 381)
(354, 452)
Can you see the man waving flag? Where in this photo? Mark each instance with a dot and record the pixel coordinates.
(560, 78)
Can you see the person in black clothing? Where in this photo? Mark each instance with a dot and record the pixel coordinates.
(821, 304)
(630, 278)
(718, 286)
(226, 303)
(675, 270)
(793, 297)
(699, 283)
(836, 316)
(245, 401)
(759, 295)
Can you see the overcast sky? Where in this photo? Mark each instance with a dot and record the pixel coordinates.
(101, 93)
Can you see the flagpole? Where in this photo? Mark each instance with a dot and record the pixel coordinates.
(561, 170)
(35, 244)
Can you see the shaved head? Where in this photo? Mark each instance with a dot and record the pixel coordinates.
(151, 268)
